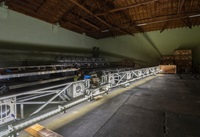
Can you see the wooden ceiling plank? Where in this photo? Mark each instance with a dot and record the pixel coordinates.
(46, 11)
(197, 5)
(90, 24)
(160, 21)
(77, 26)
(180, 6)
(41, 5)
(130, 33)
(100, 8)
(102, 17)
(133, 22)
(89, 12)
(82, 7)
(105, 23)
(64, 14)
(93, 5)
(113, 10)
(126, 7)
(25, 10)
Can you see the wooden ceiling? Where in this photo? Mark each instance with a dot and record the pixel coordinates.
(111, 18)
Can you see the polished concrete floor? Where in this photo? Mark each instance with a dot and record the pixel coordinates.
(162, 106)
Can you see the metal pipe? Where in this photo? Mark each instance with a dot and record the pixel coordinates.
(30, 121)
(37, 90)
(121, 78)
(51, 99)
(35, 97)
(22, 110)
(40, 102)
(38, 82)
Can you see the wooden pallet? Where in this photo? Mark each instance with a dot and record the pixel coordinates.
(168, 69)
(40, 131)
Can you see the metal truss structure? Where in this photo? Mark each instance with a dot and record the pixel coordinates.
(63, 65)
(14, 118)
(24, 71)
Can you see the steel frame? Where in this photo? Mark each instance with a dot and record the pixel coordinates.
(64, 96)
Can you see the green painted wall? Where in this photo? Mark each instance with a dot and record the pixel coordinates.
(23, 38)
(141, 46)
(180, 38)
(19, 28)
(34, 40)
(137, 48)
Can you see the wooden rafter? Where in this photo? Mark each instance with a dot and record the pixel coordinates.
(64, 14)
(40, 6)
(90, 24)
(118, 9)
(118, 16)
(180, 6)
(125, 8)
(78, 27)
(96, 2)
(187, 22)
(102, 21)
(158, 20)
(32, 7)
(164, 26)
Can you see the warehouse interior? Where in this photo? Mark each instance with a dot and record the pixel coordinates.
(95, 68)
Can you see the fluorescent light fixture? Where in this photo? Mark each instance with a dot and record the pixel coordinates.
(105, 30)
(141, 24)
(192, 16)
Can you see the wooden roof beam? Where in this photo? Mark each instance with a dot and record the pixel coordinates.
(180, 6)
(164, 27)
(89, 12)
(64, 13)
(115, 10)
(102, 21)
(90, 24)
(160, 21)
(187, 22)
(127, 7)
(82, 29)
(81, 6)
(41, 5)
(86, 22)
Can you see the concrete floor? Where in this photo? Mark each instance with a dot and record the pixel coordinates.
(164, 106)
